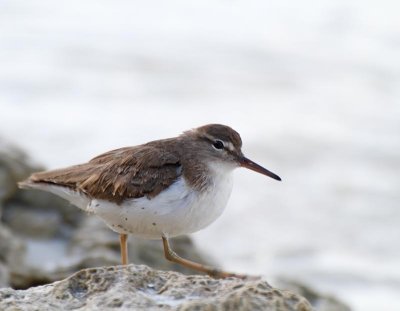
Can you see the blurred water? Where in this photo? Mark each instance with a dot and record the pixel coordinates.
(313, 87)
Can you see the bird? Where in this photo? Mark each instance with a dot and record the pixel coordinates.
(158, 190)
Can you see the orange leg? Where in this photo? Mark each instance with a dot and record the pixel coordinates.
(216, 273)
(123, 238)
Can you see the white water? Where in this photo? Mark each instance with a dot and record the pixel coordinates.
(312, 86)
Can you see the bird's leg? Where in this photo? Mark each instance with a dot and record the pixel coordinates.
(216, 273)
(123, 238)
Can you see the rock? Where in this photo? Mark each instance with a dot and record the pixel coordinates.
(30, 213)
(14, 166)
(319, 301)
(28, 219)
(141, 288)
(12, 251)
(31, 222)
(4, 275)
(38, 214)
(11, 247)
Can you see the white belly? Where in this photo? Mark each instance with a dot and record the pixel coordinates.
(175, 211)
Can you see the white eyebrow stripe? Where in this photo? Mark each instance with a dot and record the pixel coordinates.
(209, 137)
(229, 145)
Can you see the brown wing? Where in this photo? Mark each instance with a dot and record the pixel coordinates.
(131, 172)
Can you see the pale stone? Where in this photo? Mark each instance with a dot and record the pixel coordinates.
(141, 288)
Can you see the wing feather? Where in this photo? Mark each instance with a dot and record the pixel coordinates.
(130, 172)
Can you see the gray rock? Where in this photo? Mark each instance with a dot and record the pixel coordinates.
(12, 251)
(141, 288)
(14, 166)
(32, 222)
(30, 213)
(320, 302)
(38, 214)
(4, 275)
(28, 219)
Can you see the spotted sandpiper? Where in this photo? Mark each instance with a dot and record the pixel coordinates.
(157, 190)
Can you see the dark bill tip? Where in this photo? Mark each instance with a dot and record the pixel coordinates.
(247, 163)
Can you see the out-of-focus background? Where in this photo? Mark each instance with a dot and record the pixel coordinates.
(312, 86)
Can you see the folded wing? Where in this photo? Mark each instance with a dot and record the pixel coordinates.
(116, 175)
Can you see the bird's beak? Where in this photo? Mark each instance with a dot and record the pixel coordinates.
(247, 163)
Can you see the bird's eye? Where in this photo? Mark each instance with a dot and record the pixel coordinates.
(218, 144)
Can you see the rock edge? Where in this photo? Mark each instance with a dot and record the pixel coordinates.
(138, 287)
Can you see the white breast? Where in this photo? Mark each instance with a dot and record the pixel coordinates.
(175, 211)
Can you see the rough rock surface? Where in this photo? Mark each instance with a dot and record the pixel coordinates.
(141, 288)
(320, 302)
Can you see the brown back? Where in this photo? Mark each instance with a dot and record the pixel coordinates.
(130, 172)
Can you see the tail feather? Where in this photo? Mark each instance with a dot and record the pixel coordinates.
(26, 184)
(69, 177)
(63, 183)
